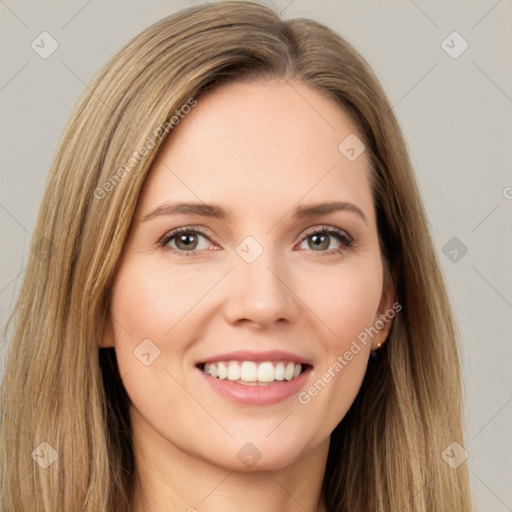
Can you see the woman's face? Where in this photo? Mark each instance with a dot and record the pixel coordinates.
(275, 270)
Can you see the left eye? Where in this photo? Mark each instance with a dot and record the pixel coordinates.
(325, 239)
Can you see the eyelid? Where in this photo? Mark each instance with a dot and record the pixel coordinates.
(198, 229)
(326, 229)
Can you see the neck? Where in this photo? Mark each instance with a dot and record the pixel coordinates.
(168, 478)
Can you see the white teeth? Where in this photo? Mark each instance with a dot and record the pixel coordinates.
(233, 371)
(266, 372)
(279, 371)
(222, 370)
(213, 370)
(251, 372)
(288, 373)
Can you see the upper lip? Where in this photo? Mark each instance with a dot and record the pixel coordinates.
(246, 355)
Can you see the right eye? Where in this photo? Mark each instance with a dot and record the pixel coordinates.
(187, 240)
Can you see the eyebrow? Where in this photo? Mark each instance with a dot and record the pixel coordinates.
(215, 211)
(190, 208)
(302, 212)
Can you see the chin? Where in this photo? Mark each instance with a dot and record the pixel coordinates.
(260, 454)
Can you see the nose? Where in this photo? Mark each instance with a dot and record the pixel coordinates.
(260, 293)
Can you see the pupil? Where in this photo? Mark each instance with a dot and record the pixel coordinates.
(320, 241)
(187, 241)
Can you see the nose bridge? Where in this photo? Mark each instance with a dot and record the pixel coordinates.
(257, 283)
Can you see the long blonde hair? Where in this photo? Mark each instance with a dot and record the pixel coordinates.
(61, 389)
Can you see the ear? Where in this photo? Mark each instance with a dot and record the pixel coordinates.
(108, 333)
(386, 312)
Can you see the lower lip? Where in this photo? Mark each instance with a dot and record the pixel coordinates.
(257, 395)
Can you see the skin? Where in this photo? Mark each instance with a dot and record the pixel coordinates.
(258, 150)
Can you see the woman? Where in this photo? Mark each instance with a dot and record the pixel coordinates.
(238, 305)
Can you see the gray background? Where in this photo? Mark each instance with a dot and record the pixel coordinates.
(455, 114)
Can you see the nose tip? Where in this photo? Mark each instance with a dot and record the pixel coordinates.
(258, 294)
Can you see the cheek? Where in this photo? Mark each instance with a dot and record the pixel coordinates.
(345, 301)
(149, 308)
(145, 308)
(150, 301)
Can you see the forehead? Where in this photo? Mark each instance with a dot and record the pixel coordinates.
(260, 145)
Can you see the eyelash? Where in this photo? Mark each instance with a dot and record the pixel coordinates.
(345, 240)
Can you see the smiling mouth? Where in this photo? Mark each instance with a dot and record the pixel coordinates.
(251, 373)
